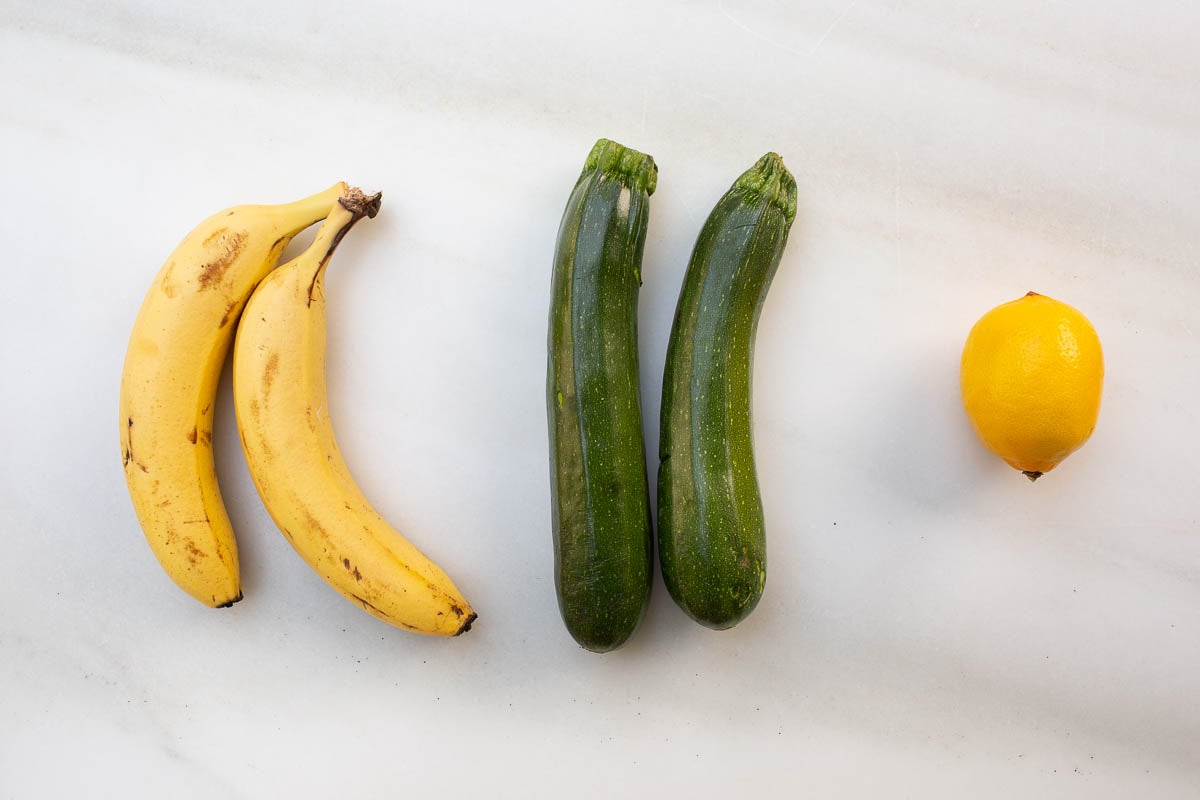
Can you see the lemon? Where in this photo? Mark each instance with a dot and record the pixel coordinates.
(1032, 371)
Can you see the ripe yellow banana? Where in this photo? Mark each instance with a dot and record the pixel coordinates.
(169, 385)
(282, 412)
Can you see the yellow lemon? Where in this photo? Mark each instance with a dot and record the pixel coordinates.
(1032, 371)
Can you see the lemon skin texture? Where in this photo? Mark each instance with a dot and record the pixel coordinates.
(1032, 373)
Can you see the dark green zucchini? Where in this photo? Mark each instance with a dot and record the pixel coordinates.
(603, 548)
(712, 543)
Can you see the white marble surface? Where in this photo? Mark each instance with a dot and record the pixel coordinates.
(933, 625)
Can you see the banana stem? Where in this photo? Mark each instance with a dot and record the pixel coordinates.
(350, 207)
(356, 202)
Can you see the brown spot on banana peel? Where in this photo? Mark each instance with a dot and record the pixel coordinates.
(211, 239)
(314, 525)
(192, 435)
(127, 457)
(194, 554)
(165, 282)
(264, 449)
(312, 287)
(269, 372)
(230, 313)
(370, 607)
(232, 244)
(278, 247)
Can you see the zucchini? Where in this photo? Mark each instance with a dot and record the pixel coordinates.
(603, 546)
(712, 543)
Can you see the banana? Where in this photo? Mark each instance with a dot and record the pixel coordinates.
(282, 412)
(169, 384)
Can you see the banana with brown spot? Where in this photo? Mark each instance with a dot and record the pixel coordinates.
(169, 385)
(280, 398)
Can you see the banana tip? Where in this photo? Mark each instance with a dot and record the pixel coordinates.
(466, 626)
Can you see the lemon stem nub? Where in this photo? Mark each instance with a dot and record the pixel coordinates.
(1033, 476)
